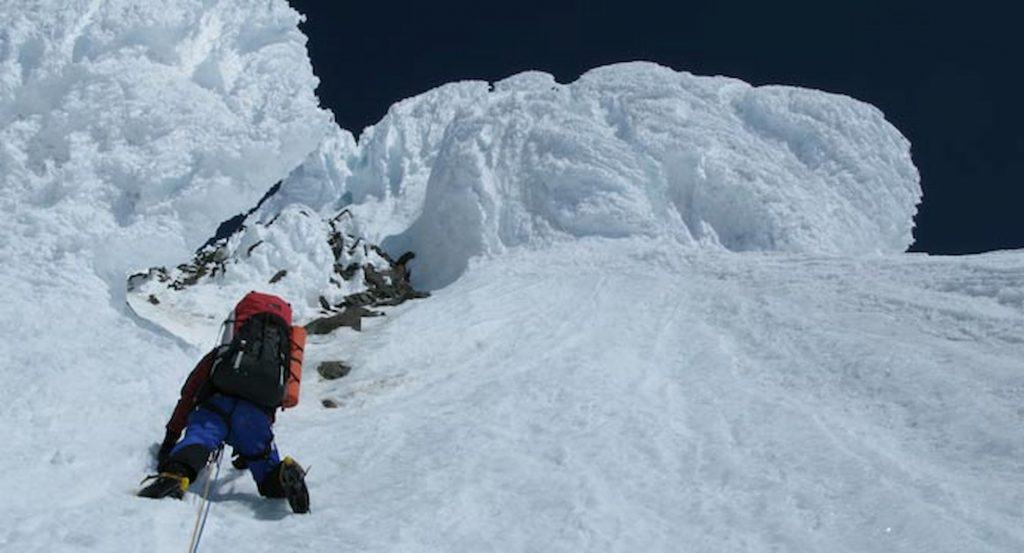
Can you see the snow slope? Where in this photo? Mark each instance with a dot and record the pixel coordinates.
(590, 399)
(596, 398)
(655, 327)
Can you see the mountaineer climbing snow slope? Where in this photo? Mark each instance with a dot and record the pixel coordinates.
(667, 312)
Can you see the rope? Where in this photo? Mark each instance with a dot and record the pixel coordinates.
(201, 513)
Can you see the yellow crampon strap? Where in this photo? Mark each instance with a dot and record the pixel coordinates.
(183, 481)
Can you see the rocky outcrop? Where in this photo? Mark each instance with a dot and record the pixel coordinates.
(332, 276)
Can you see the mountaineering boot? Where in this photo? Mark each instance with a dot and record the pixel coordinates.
(165, 484)
(293, 482)
(287, 480)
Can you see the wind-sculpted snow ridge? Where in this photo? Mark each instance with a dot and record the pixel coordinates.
(384, 178)
(632, 149)
(141, 125)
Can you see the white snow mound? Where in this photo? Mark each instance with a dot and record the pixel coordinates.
(165, 117)
(633, 149)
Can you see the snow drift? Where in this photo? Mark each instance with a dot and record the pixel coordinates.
(633, 149)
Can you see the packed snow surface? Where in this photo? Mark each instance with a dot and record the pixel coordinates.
(654, 328)
(593, 398)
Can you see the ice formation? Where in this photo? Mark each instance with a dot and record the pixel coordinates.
(632, 149)
(140, 125)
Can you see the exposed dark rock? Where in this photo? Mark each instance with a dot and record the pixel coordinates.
(341, 214)
(235, 224)
(330, 403)
(331, 370)
(337, 243)
(384, 288)
(372, 278)
(350, 317)
(355, 245)
(358, 299)
(192, 274)
(152, 299)
(204, 261)
(346, 272)
(248, 252)
(405, 258)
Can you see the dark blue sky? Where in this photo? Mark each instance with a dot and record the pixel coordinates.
(949, 78)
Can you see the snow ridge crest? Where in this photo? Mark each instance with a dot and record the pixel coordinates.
(632, 149)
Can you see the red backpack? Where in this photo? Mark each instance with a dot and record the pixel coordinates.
(261, 354)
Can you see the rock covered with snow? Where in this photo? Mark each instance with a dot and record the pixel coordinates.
(319, 265)
(632, 149)
(158, 119)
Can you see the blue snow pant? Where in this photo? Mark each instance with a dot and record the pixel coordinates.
(241, 424)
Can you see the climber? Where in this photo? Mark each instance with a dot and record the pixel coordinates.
(230, 397)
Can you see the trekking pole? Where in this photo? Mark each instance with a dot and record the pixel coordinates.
(201, 513)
